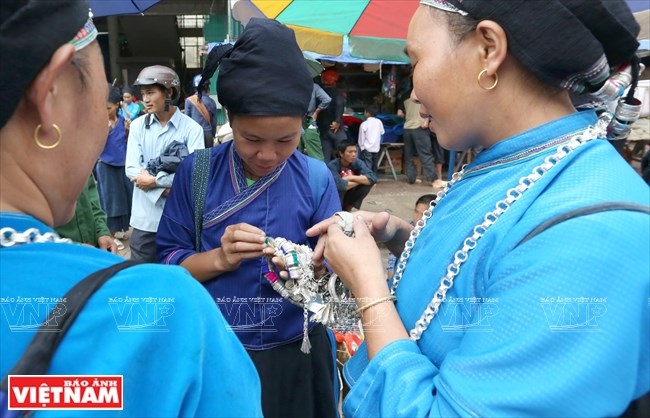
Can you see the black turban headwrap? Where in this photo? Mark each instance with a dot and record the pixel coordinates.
(567, 43)
(114, 95)
(30, 32)
(264, 73)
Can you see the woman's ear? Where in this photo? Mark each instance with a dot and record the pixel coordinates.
(493, 44)
(47, 84)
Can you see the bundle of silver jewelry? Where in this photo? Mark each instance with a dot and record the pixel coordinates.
(329, 301)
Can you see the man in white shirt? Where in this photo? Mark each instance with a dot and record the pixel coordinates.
(150, 136)
(370, 133)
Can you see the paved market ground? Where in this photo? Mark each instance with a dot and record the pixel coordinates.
(396, 197)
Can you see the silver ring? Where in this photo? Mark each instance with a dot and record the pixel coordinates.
(346, 223)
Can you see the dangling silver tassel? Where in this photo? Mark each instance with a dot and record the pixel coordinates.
(306, 345)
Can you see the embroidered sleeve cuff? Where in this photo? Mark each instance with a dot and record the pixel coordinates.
(176, 257)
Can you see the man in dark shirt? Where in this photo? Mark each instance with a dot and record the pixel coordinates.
(330, 120)
(353, 177)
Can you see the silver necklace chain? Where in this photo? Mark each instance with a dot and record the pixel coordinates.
(490, 218)
(10, 237)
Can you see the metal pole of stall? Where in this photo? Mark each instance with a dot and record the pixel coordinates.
(229, 34)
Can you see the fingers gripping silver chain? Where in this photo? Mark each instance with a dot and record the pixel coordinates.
(490, 218)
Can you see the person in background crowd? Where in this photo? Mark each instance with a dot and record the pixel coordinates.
(53, 72)
(244, 191)
(319, 101)
(164, 126)
(416, 140)
(115, 189)
(421, 204)
(203, 110)
(370, 133)
(129, 108)
(310, 142)
(330, 120)
(438, 154)
(524, 239)
(353, 178)
(88, 226)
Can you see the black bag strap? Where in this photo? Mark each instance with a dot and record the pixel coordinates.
(200, 176)
(584, 211)
(38, 355)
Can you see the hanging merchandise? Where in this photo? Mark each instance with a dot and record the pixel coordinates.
(389, 87)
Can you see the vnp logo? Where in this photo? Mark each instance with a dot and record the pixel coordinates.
(250, 314)
(471, 314)
(133, 314)
(25, 314)
(581, 314)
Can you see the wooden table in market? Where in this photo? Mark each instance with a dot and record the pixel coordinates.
(384, 152)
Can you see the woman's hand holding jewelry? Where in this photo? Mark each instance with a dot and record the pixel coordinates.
(356, 259)
(383, 227)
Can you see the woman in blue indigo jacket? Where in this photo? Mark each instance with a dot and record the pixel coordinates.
(168, 340)
(257, 186)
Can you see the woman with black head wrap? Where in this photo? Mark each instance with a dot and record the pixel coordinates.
(115, 189)
(129, 109)
(256, 186)
(53, 126)
(524, 290)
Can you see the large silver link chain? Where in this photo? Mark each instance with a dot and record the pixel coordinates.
(10, 237)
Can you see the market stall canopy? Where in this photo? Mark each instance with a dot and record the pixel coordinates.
(101, 8)
(375, 29)
(345, 57)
